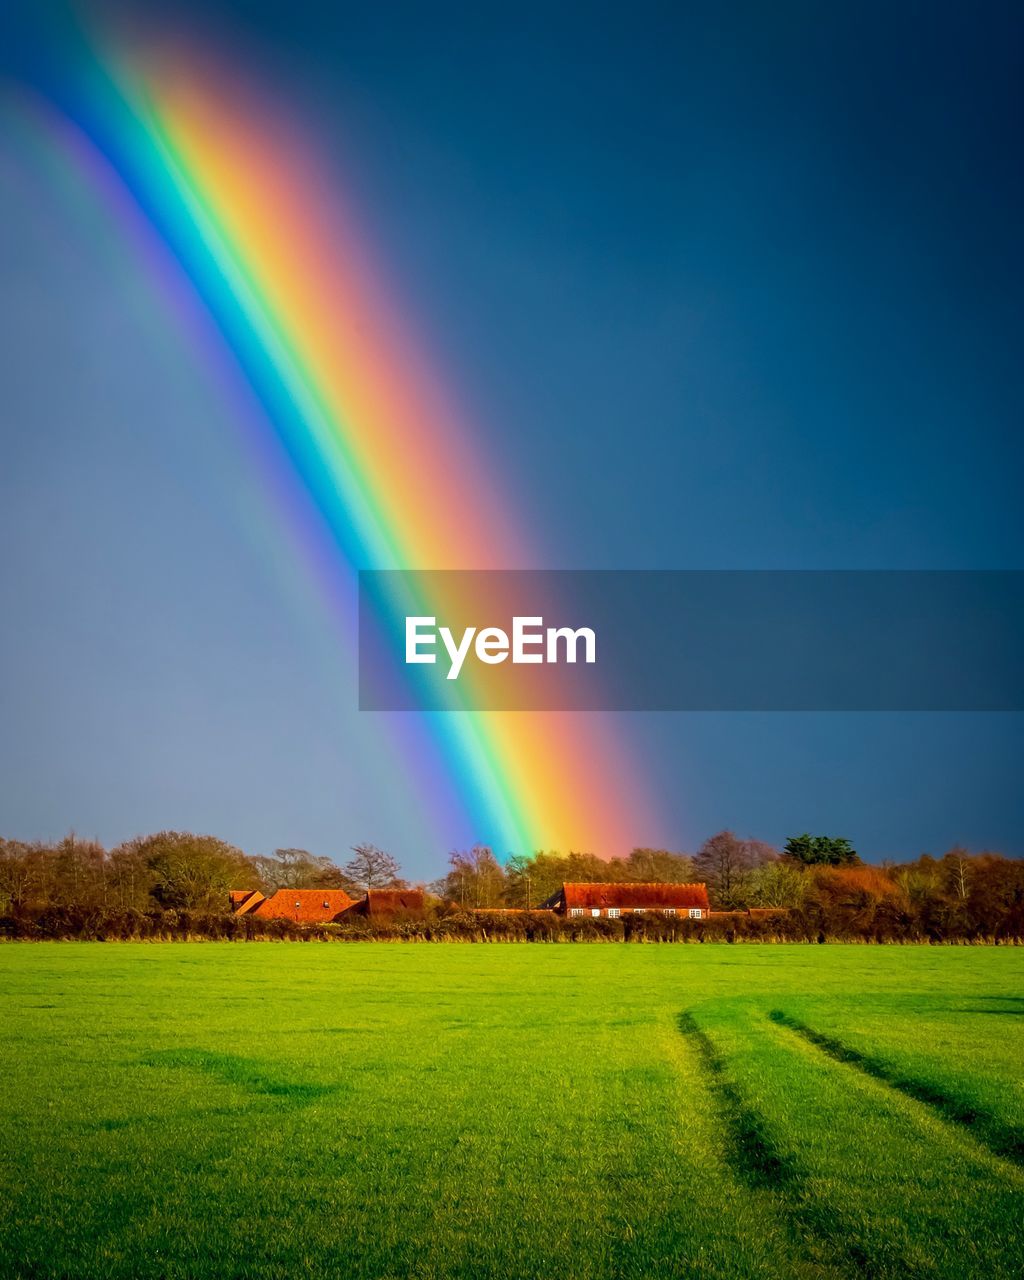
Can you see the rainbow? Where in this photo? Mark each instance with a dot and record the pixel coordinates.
(240, 204)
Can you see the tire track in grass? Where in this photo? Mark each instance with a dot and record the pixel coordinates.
(764, 1167)
(756, 1159)
(1004, 1141)
(247, 1074)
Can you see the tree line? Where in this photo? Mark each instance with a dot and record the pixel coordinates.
(177, 884)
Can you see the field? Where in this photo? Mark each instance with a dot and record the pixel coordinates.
(375, 1110)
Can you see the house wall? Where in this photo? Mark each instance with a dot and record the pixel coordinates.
(618, 913)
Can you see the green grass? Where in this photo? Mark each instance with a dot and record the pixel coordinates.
(375, 1110)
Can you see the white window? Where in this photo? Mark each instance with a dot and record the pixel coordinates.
(326, 903)
(575, 911)
(638, 911)
(595, 911)
(614, 913)
(695, 913)
(670, 911)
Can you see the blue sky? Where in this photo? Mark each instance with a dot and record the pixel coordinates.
(720, 286)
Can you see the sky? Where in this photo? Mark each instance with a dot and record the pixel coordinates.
(717, 286)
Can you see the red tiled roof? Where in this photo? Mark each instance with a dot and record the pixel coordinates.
(307, 906)
(630, 895)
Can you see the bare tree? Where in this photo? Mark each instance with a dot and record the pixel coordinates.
(655, 865)
(520, 882)
(476, 878)
(18, 876)
(372, 868)
(299, 869)
(130, 880)
(725, 862)
(957, 866)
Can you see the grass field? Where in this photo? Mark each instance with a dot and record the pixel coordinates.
(511, 1111)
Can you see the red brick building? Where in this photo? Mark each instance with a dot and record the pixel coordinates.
(628, 898)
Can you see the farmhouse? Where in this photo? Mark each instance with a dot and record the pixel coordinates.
(305, 906)
(630, 898)
(326, 906)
